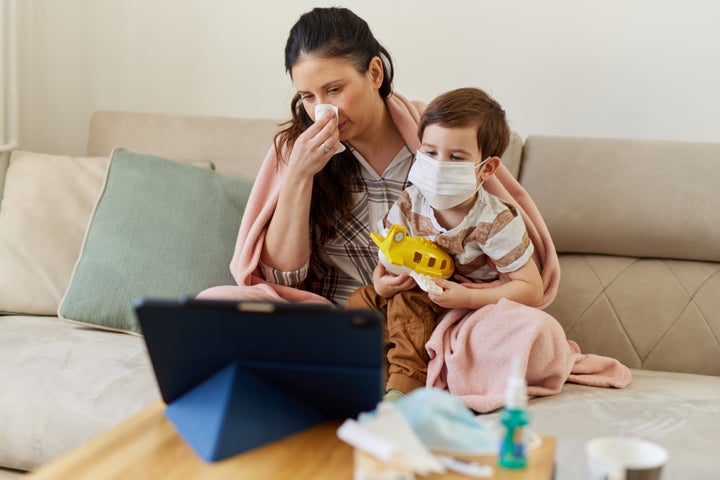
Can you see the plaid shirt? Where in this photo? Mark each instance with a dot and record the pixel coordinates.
(347, 261)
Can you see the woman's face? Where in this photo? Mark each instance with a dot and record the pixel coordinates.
(337, 81)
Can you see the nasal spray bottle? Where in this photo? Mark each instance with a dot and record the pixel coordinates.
(515, 420)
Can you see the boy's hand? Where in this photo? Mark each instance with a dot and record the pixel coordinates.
(454, 295)
(388, 284)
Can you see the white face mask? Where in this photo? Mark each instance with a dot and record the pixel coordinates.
(444, 184)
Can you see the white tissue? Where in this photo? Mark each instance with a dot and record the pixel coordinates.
(389, 438)
(320, 110)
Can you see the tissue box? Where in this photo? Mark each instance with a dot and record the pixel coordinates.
(367, 467)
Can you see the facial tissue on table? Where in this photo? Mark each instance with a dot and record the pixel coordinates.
(401, 434)
(389, 438)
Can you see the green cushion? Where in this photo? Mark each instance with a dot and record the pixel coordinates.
(160, 229)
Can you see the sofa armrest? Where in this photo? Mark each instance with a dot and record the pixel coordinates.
(4, 160)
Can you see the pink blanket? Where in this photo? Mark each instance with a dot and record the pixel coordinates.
(472, 352)
(473, 368)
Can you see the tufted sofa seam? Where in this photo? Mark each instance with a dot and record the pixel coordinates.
(691, 301)
(702, 314)
(603, 293)
(669, 327)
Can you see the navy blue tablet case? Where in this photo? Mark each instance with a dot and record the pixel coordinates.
(237, 375)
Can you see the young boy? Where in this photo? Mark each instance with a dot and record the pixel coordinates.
(463, 134)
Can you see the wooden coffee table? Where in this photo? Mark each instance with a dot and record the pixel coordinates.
(147, 446)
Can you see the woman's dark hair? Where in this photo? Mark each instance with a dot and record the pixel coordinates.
(330, 33)
(337, 33)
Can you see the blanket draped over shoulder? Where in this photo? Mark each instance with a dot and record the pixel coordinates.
(470, 351)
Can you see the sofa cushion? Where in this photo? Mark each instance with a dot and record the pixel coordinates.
(160, 229)
(47, 203)
(657, 314)
(63, 385)
(4, 160)
(637, 198)
(678, 411)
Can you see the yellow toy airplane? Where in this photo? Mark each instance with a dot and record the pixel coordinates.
(403, 253)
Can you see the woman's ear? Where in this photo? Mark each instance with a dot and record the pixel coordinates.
(489, 168)
(375, 72)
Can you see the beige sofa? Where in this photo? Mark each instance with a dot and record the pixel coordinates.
(635, 222)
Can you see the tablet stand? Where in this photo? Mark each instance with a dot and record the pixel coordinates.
(235, 410)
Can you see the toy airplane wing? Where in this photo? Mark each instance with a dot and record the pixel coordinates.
(400, 252)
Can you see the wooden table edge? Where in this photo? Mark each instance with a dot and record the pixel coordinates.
(146, 445)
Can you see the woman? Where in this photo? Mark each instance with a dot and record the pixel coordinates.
(327, 201)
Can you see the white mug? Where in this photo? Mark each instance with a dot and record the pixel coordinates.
(624, 458)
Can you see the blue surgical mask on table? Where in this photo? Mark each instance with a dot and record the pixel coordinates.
(443, 423)
(444, 184)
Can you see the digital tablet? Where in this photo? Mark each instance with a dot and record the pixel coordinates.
(281, 362)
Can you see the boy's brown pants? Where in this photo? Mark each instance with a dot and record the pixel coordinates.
(410, 320)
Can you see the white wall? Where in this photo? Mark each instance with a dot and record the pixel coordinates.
(610, 68)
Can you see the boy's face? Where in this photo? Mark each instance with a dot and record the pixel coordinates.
(452, 144)
(457, 144)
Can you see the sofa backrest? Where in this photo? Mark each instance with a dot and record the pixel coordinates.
(235, 146)
(636, 225)
(627, 197)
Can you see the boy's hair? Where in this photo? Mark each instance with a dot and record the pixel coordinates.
(470, 107)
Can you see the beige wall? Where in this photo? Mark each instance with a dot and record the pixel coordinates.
(619, 68)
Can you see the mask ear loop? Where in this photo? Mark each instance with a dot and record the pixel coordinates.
(479, 165)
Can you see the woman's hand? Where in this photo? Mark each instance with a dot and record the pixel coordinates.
(314, 147)
(287, 245)
(388, 284)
